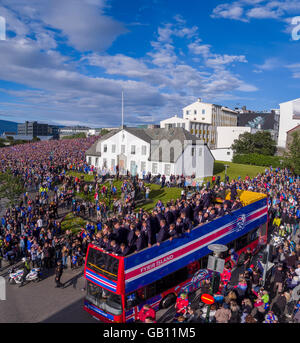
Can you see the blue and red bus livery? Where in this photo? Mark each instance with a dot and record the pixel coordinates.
(118, 287)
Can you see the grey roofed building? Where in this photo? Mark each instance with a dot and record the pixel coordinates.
(155, 150)
(149, 135)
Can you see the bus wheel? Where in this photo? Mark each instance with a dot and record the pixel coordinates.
(168, 300)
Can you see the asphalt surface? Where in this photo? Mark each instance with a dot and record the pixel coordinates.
(42, 302)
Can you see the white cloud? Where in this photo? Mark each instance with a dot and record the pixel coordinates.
(245, 10)
(269, 64)
(229, 11)
(156, 85)
(295, 69)
(264, 13)
(82, 22)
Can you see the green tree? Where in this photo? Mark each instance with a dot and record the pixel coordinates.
(35, 139)
(11, 187)
(260, 142)
(103, 132)
(76, 135)
(292, 156)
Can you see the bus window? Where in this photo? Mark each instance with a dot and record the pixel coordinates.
(203, 262)
(104, 299)
(226, 253)
(253, 235)
(241, 242)
(262, 230)
(171, 280)
(150, 290)
(103, 264)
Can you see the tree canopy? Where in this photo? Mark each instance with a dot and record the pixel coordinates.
(292, 156)
(260, 142)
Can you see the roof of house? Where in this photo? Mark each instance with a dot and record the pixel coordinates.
(296, 128)
(155, 134)
(93, 151)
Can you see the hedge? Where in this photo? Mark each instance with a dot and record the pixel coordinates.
(258, 160)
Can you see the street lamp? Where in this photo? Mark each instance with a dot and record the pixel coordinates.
(217, 249)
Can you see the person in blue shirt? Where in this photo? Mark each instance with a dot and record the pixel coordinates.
(99, 226)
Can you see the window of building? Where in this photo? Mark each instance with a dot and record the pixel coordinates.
(113, 148)
(203, 111)
(193, 152)
(154, 168)
(195, 111)
(143, 166)
(104, 162)
(105, 148)
(132, 167)
(167, 169)
(183, 126)
(133, 150)
(172, 155)
(123, 149)
(96, 161)
(200, 151)
(187, 112)
(89, 160)
(144, 149)
(113, 162)
(160, 154)
(228, 152)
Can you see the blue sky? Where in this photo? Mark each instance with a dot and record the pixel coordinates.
(67, 62)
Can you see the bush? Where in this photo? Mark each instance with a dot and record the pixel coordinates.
(258, 160)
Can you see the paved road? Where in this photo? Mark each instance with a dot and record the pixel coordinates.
(42, 302)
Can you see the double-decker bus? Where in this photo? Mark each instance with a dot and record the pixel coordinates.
(118, 287)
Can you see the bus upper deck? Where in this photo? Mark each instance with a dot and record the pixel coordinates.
(124, 274)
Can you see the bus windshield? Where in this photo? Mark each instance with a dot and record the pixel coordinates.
(102, 263)
(104, 299)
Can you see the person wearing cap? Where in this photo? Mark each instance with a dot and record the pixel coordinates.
(26, 269)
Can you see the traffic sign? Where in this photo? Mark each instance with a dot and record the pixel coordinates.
(216, 264)
(207, 299)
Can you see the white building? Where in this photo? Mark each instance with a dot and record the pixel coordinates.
(159, 151)
(289, 118)
(72, 130)
(201, 119)
(225, 138)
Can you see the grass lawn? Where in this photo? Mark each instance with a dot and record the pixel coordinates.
(73, 223)
(165, 194)
(87, 177)
(235, 170)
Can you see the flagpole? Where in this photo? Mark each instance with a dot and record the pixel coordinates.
(122, 110)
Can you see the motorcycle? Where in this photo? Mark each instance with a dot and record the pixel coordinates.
(277, 240)
(17, 276)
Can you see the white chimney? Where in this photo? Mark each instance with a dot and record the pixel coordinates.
(199, 99)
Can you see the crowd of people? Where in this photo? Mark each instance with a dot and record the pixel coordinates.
(32, 228)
